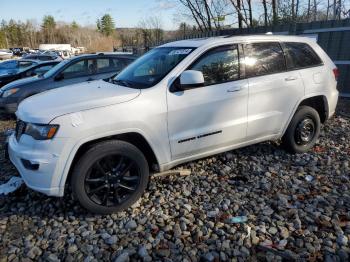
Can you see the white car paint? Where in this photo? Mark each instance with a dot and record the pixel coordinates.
(239, 113)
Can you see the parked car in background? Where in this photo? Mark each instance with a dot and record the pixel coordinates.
(64, 54)
(5, 54)
(13, 66)
(179, 102)
(71, 71)
(49, 56)
(28, 68)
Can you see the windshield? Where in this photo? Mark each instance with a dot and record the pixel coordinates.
(152, 67)
(56, 68)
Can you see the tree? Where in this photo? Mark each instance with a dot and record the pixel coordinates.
(74, 25)
(48, 26)
(274, 12)
(265, 12)
(106, 25)
(151, 31)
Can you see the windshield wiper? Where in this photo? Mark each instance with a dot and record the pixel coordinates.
(121, 82)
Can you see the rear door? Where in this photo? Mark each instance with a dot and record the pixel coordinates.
(273, 90)
(301, 57)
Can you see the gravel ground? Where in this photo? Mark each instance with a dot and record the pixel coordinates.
(297, 208)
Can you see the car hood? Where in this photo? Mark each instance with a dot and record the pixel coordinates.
(21, 82)
(44, 107)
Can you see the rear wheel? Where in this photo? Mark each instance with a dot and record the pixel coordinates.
(110, 177)
(302, 131)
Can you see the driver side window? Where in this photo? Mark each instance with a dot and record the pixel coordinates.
(219, 65)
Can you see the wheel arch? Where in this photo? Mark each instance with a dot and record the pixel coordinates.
(317, 101)
(132, 137)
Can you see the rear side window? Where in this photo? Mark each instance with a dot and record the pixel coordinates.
(119, 64)
(264, 58)
(103, 65)
(300, 55)
(219, 65)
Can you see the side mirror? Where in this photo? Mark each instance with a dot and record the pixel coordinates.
(59, 77)
(190, 79)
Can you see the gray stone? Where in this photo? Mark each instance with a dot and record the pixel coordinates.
(112, 240)
(34, 252)
(124, 257)
(72, 248)
(131, 224)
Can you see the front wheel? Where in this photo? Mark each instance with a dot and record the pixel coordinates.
(110, 177)
(302, 131)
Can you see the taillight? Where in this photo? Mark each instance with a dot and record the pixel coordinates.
(336, 73)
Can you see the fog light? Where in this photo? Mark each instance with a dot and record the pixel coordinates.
(29, 165)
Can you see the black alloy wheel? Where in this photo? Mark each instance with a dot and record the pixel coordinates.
(110, 177)
(111, 180)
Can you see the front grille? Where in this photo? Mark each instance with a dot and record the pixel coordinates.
(20, 128)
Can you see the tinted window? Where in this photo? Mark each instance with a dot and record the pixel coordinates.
(219, 65)
(301, 55)
(264, 58)
(80, 68)
(110, 65)
(104, 65)
(119, 64)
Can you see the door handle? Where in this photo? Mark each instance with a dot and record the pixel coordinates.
(234, 90)
(291, 78)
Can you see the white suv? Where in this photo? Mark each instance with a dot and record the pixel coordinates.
(179, 102)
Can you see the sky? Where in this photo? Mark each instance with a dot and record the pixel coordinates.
(126, 13)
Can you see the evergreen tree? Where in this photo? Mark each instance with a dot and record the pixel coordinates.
(106, 25)
(48, 27)
(74, 25)
(48, 22)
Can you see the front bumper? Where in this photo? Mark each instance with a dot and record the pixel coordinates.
(44, 154)
(8, 105)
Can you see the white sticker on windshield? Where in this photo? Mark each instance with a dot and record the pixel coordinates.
(180, 52)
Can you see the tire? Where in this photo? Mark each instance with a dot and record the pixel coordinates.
(297, 141)
(99, 175)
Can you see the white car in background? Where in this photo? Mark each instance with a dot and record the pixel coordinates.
(5, 54)
(179, 102)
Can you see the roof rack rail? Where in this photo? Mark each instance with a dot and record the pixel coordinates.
(247, 34)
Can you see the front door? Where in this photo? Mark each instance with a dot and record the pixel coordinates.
(213, 116)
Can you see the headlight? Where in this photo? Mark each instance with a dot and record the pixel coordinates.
(10, 92)
(41, 132)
